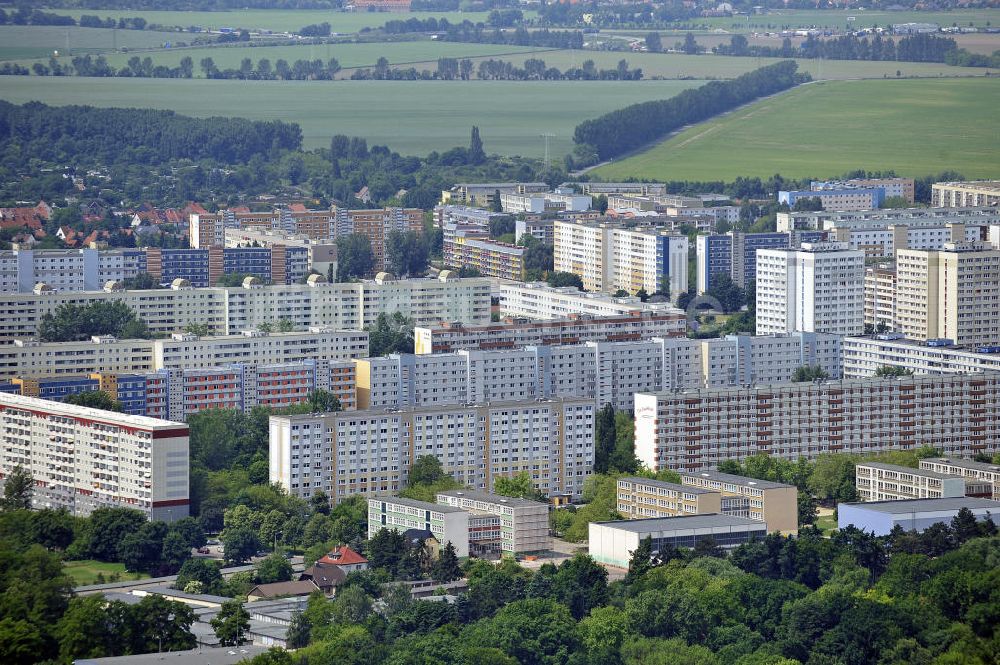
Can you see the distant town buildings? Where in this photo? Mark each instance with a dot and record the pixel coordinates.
(863, 356)
(938, 216)
(500, 524)
(876, 481)
(484, 195)
(447, 524)
(538, 300)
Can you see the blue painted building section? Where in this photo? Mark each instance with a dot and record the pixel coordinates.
(189, 264)
(58, 389)
(715, 258)
(132, 393)
(879, 517)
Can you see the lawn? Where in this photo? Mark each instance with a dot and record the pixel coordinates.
(18, 41)
(349, 55)
(85, 572)
(412, 117)
(277, 20)
(676, 65)
(826, 523)
(915, 127)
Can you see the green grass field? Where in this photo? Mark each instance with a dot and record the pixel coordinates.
(824, 129)
(676, 65)
(85, 572)
(349, 55)
(18, 41)
(411, 117)
(277, 20)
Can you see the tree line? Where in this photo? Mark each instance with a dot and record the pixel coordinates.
(85, 134)
(28, 16)
(480, 33)
(912, 48)
(623, 130)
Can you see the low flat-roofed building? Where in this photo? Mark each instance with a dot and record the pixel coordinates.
(613, 543)
(890, 482)
(759, 500)
(500, 523)
(644, 498)
(913, 514)
(199, 656)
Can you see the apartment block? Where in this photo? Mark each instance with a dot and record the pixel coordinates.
(880, 297)
(863, 356)
(837, 197)
(694, 430)
(608, 372)
(501, 524)
(886, 241)
(472, 247)
(179, 351)
(610, 257)
(746, 245)
(574, 330)
(643, 498)
(542, 202)
(893, 187)
(714, 257)
(965, 194)
(209, 230)
(465, 216)
(483, 194)
(638, 188)
(229, 310)
(538, 300)
(447, 524)
(949, 294)
(83, 459)
(827, 220)
(876, 481)
(321, 255)
(818, 288)
(541, 229)
(370, 452)
(982, 478)
(776, 504)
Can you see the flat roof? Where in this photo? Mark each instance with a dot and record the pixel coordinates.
(413, 503)
(664, 484)
(745, 481)
(710, 520)
(491, 498)
(86, 413)
(199, 656)
(908, 469)
(965, 463)
(927, 505)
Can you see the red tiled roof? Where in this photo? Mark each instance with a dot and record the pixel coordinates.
(342, 556)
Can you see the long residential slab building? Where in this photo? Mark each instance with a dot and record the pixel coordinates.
(517, 333)
(82, 459)
(370, 452)
(229, 310)
(609, 372)
(693, 430)
(863, 356)
(538, 300)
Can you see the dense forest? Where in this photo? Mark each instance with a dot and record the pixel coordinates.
(626, 129)
(88, 135)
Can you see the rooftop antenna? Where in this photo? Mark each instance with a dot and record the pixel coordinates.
(547, 136)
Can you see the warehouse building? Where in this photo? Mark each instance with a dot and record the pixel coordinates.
(912, 515)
